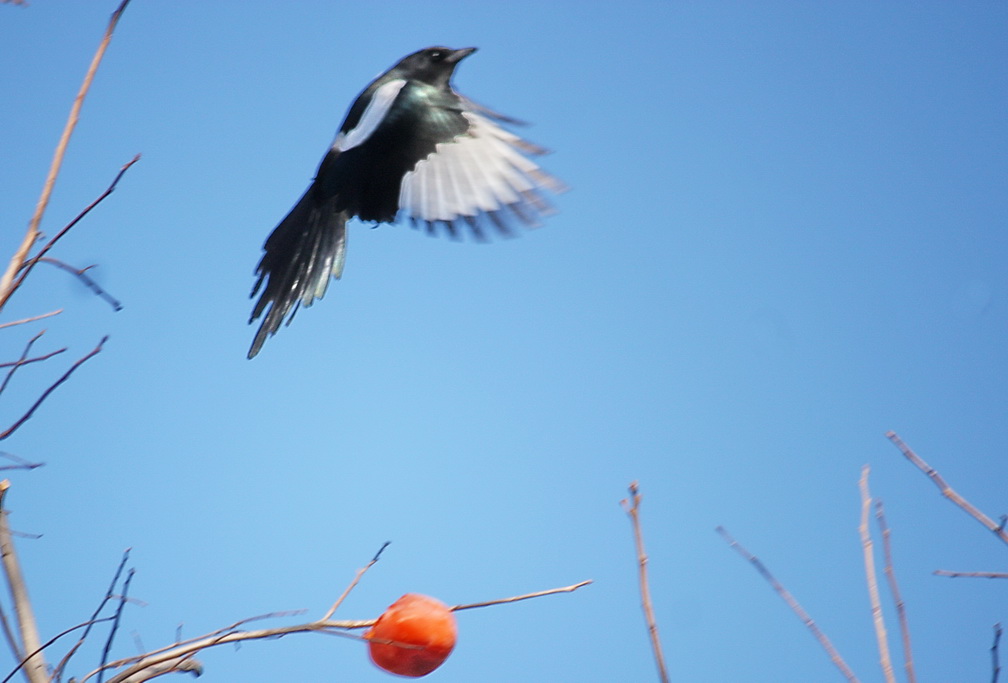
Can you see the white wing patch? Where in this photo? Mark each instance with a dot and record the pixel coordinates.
(373, 115)
(479, 173)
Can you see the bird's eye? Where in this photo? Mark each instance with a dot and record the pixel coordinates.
(437, 55)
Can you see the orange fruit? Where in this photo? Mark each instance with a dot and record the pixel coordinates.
(413, 636)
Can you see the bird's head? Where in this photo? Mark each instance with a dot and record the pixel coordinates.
(432, 65)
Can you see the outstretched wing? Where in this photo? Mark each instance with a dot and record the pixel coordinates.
(483, 174)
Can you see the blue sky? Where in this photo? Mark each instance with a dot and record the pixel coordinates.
(785, 236)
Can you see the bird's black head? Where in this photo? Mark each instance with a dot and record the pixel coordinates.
(432, 65)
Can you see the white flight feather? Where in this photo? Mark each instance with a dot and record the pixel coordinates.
(373, 115)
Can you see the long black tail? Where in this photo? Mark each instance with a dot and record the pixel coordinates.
(302, 252)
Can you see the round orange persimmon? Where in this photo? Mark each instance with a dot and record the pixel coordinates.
(413, 637)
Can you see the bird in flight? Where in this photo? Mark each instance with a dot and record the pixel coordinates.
(410, 146)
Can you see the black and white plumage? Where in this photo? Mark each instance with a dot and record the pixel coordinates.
(410, 146)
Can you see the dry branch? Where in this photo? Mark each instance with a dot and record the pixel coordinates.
(17, 262)
(45, 394)
(946, 490)
(633, 511)
(995, 663)
(35, 665)
(869, 561)
(897, 596)
(971, 575)
(81, 274)
(31, 319)
(786, 596)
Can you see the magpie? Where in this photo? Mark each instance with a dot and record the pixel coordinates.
(410, 146)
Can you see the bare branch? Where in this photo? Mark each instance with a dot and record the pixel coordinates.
(824, 642)
(81, 274)
(86, 624)
(19, 462)
(517, 598)
(971, 575)
(869, 561)
(139, 668)
(897, 597)
(946, 490)
(633, 511)
(31, 319)
(45, 394)
(995, 663)
(115, 625)
(17, 261)
(21, 361)
(27, 361)
(61, 667)
(360, 573)
(9, 635)
(35, 666)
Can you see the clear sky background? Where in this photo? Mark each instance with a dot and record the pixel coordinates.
(786, 235)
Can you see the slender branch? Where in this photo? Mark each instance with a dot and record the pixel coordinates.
(633, 511)
(115, 625)
(946, 490)
(9, 635)
(35, 666)
(19, 462)
(17, 261)
(183, 651)
(995, 663)
(27, 361)
(81, 274)
(360, 573)
(86, 624)
(971, 575)
(31, 319)
(896, 595)
(869, 561)
(786, 596)
(61, 667)
(45, 394)
(517, 598)
(15, 365)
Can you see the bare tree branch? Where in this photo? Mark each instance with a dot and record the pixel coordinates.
(35, 665)
(45, 394)
(946, 490)
(786, 596)
(140, 667)
(31, 319)
(356, 579)
(81, 274)
(19, 462)
(61, 667)
(21, 361)
(873, 594)
(995, 663)
(897, 596)
(115, 625)
(971, 575)
(633, 511)
(17, 261)
(24, 660)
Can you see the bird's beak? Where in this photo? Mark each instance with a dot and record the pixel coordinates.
(458, 55)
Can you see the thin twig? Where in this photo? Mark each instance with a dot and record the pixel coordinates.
(45, 394)
(15, 365)
(633, 511)
(115, 625)
(31, 319)
(517, 598)
(786, 596)
(946, 490)
(873, 594)
(27, 361)
(86, 624)
(360, 573)
(995, 663)
(971, 575)
(17, 261)
(61, 667)
(81, 274)
(183, 651)
(896, 595)
(9, 635)
(19, 462)
(35, 666)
